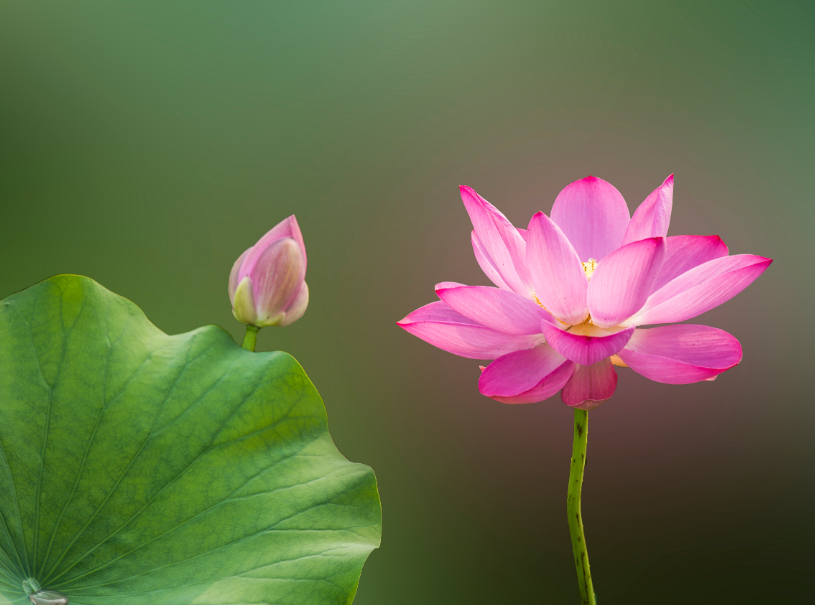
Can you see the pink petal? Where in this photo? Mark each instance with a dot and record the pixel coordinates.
(593, 215)
(297, 307)
(589, 386)
(500, 240)
(653, 216)
(585, 350)
(234, 278)
(622, 282)
(449, 284)
(525, 376)
(700, 289)
(486, 263)
(681, 354)
(684, 252)
(501, 310)
(277, 277)
(450, 331)
(555, 271)
(288, 227)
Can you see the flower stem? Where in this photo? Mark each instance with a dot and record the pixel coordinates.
(251, 338)
(581, 555)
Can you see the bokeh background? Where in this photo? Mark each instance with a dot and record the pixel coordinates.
(148, 143)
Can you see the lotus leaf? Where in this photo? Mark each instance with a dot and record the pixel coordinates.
(139, 468)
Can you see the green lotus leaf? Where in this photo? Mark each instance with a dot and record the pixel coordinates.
(141, 468)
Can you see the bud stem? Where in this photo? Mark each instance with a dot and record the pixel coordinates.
(251, 338)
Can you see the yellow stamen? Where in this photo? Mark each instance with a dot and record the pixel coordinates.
(588, 267)
(540, 304)
(587, 328)
(615, 359)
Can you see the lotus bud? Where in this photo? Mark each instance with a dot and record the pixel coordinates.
(267, 285)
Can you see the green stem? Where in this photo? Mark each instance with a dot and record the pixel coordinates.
(581, 555)
(251, 338)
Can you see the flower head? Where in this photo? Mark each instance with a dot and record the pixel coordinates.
(571, 291)
(267, 284)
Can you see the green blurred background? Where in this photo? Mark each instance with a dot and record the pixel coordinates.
(147, 144)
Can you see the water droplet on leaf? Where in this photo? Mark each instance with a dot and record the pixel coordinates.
(48, 597)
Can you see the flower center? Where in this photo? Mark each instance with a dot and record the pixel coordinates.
(588, 267)
(587, 328)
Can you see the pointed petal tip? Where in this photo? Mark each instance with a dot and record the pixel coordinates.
(589, 179)
(447, 285)
(724, 245)
(501, 250)
(295, 226)
(762, 261)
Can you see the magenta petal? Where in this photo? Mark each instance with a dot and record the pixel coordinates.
(555, 271)
(593, 215)
(449, 284)
(621, 283)
(589, 386)
(681, 354)
(486, 263)
(500, 240)
(700, 289)
(585, 350)
(450, 331)
(501, 310)
(684, 252)
(525, 376)
(653, 216)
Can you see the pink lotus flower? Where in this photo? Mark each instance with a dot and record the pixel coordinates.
(267, 284)
(572, 290)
